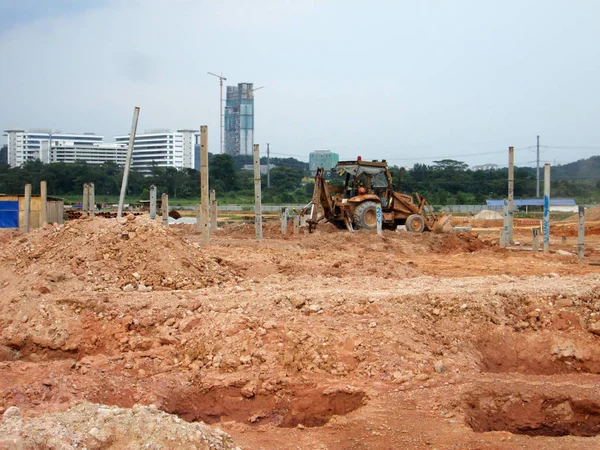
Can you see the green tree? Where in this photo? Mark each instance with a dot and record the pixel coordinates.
(222, 174)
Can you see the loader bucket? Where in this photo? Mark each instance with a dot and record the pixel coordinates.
(443, 224)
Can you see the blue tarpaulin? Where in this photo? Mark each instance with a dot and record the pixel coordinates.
(9, 214)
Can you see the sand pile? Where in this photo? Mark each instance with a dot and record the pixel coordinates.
(486, 214)
(133, 253)
(94, 426)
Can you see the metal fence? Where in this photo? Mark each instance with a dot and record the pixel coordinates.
(466, 208)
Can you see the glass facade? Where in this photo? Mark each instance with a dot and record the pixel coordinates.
(239, 119)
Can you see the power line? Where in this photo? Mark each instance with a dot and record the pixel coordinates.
(570, 147)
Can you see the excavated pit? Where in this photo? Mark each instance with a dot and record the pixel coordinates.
(536, 410)
(310, 407)
(539, 353)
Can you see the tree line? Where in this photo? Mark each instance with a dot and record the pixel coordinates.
(444, 182)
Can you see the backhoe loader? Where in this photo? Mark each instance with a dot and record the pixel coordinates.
(364, 187)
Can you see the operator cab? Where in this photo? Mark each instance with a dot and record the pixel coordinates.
(362, 177)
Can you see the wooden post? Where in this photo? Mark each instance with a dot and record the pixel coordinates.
(546, 208)
(136, 113)
(296, 224)
(165, 209)
(284, 220)
(581, 232)
(535, 241)
(199, 216)
(92, 199)
(27, 208)
(204, 195)
(85, 207)
(257, 194)
(511, 193)
(43, 203)
(213, 210)
(153, 202)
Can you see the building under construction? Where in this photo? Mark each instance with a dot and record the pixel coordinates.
(239, 119)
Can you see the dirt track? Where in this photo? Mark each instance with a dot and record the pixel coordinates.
(331, 340)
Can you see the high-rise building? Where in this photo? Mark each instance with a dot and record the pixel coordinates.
(161, 148)
(239, 119)
(322, 158)
(49, 146)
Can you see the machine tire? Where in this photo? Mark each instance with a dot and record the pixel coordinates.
(415, 223)
(365, 216)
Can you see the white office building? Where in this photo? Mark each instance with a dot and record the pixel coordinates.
(49, 147)
(161, 148)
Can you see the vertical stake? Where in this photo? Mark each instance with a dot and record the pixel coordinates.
(535, 242)
(85, 207)
(379, 220)
(504, 233)
(284, 220)
(165, 209)
(153, 202)
(511, 193)
(546, 227)
(581, 232)
(92, 200)
(257, 194)
(204, 196)
(43, 203)
(213, 210)
(136, 113)
(296, 224)
(27, 208)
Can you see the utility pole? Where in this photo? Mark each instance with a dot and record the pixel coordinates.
(268, 167)
(221, 78)
(537, 190)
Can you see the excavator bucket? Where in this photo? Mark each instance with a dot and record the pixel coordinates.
(443, 224)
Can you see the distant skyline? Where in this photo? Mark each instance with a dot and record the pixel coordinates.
(410, 82)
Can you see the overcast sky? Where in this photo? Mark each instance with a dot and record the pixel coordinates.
(408, 81)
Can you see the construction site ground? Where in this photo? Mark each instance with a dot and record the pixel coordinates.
(122, 333)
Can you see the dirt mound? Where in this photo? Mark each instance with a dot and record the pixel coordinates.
(460, 242)
(591, 214)
(574, 231)
(486, 214)
(133, 253)
(98, 426)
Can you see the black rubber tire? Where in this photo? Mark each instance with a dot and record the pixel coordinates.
(415, 223)
(365, 216)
